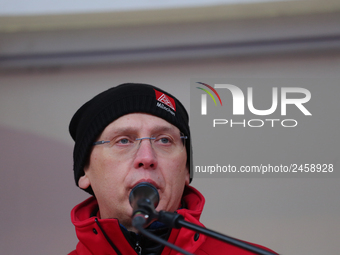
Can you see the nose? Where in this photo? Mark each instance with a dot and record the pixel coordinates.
(145, 156)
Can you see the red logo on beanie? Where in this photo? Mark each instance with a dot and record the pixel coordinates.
(169, 101)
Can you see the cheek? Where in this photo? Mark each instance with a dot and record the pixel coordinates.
(102, 161)
(175, 172)
(174, 175)
(105, 172)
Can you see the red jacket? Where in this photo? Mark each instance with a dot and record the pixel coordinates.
(92, 240)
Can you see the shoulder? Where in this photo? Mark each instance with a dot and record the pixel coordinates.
(213, 246)
(73, 253)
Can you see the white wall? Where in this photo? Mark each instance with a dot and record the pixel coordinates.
(20, 7)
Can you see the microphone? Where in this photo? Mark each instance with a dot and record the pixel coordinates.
(143, 199)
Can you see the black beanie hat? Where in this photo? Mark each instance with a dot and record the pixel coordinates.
(93, 117)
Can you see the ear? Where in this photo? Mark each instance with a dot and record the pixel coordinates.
(84, 182)
(187, 177)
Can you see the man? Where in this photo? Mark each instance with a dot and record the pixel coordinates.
(126, 135)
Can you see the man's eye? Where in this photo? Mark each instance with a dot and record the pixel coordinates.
(123, 141)
(165, 140)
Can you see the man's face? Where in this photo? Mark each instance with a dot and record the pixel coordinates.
(112, 173)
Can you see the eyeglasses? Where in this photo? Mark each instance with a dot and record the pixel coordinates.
(162, 144)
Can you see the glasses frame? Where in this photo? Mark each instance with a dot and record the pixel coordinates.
(137, 139)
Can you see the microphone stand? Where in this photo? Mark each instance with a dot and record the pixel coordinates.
(143, 216)
(144, 198)
(174, 220)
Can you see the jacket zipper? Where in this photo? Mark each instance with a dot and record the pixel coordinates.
(138, 249)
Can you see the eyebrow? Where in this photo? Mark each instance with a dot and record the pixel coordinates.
(156, 129)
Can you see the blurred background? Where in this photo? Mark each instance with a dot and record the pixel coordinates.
(54, 56)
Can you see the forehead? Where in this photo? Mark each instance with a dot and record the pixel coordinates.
(139, 122)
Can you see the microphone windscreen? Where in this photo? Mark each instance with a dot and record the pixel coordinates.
(143, 190)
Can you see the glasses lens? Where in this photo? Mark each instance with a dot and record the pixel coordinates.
(163, 144)
(167, 144)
